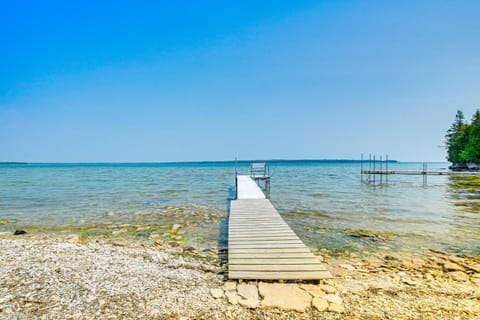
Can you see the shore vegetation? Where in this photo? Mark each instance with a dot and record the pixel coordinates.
(463, 142)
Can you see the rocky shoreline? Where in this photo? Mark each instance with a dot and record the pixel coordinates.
(73, 279)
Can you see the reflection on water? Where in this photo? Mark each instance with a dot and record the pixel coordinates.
(325, 203)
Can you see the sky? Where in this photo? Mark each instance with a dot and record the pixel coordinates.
(135, 81)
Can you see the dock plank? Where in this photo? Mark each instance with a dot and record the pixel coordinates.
(275, 261)
(261, 245)
(283, 275)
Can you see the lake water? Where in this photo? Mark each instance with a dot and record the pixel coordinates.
(324, 202)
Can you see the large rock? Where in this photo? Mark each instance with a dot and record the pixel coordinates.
(459, 276)
(320, 304)
(230, 286)
(450, 266)
(284, 296)
(335, 307)
(249, 293)
(232, 297)
(314, 290)
(328, 289)
(475, 268)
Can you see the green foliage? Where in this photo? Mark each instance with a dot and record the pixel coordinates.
(463, 139)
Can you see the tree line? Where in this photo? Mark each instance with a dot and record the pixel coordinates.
(463, 139)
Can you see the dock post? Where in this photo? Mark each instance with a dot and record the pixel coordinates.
(386, 169)
(381, 175)
(424, 172)
(236, 179)
(369, 167)
(374, 173)
(361, 168)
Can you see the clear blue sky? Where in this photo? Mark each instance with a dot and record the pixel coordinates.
(211, 80)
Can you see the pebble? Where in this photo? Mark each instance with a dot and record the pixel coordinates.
(173, 244)
(188, 248)
(119, 231)
(328, 289)
(216, 293)
(175, 228)
(75, 238)
(409, 282)
(347, 266)
(335, 307)
(333, 298)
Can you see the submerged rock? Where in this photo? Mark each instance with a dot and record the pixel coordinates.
(188, 248)
(175, 228)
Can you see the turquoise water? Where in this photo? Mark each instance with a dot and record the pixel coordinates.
(325, 203)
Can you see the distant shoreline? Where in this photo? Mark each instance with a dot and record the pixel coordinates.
(270, 161)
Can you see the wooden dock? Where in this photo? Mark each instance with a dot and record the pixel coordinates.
(261, 245)
(408, 172)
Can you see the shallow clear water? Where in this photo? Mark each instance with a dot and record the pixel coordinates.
(325, 203)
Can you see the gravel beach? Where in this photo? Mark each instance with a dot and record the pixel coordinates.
(58, 279)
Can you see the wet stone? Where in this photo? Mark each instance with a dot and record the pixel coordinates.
(188, 248)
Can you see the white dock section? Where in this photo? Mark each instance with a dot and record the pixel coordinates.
(248, 189)
(261, 245)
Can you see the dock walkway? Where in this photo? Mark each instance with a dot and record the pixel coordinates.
(261, 245)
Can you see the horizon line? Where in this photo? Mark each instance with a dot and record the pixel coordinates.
(210, 161)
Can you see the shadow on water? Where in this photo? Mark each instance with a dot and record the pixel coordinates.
(223, 236)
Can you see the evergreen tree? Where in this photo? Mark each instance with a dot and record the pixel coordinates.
(463, 139)
(454, 138)
(472, 149)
